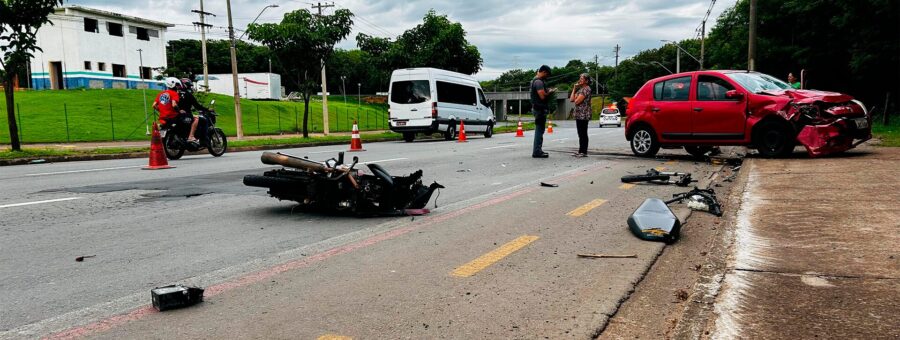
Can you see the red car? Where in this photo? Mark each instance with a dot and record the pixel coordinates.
(702, 109)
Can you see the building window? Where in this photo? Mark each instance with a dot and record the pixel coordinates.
(142, 34)
(87, 65)
(91, 25)
(153, 33)
(114, 29)
(145, 73)
(118, 71)
(101, 67)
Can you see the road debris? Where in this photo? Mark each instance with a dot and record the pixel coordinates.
(654, 221)
(549, 185)
(660, 177)
(700, 200)
(175, 296)
(608, 256)
(464, 170)
(81, 258)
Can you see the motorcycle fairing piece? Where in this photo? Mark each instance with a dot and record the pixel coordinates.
(334, 186)
(654, 221)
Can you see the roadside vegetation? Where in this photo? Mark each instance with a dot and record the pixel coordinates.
(888, 134)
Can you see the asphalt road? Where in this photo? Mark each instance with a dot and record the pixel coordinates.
(272, 272)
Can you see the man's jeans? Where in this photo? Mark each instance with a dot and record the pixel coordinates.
(540, 125)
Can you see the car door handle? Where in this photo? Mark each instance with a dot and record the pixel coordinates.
(414, 110)
(655, 109)
(698, 109)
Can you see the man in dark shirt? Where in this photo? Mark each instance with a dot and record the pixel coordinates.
(540, 98)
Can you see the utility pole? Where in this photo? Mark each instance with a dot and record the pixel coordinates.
(144, 90)
(702, 43)
(320, 6)
(616, 74)
(203, 26)
(597, 73)
(751, 48)
(234, 77)
(678, 60)
(344, 89)
(520, 104)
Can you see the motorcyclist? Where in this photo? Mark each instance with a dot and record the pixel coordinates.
(187, 103)
(167, 101)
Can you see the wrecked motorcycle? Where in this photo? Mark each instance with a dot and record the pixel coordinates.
(335, 186)
(659, 177)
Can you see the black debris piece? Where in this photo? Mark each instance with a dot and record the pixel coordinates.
(654, 221)
(659, 177)
(549, 185)
(700, 200)
(175, 296)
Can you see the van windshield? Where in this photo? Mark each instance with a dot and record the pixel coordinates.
(410, 92)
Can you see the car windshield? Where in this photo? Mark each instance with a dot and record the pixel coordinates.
(758, 82)
(410, 92)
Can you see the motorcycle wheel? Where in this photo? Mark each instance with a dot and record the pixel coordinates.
(170, 146)
(217, 143)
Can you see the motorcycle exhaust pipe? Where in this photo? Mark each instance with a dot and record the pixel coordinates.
(272, 158)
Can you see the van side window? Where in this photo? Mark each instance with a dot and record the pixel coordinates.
(455, 93)
(410, 92)
(711, 88)
(677, 89)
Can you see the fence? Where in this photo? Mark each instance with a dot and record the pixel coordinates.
(111, 121)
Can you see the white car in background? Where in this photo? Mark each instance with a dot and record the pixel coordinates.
(610, 116)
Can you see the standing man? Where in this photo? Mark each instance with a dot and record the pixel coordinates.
(540, 97)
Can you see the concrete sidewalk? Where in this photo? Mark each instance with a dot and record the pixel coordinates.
(816, 250)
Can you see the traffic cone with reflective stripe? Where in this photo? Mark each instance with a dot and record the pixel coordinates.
(549, 127)
(462, 132)
(519, 131)
(158, 160)
(355, 141)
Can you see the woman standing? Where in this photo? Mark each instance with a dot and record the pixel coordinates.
(581, 96)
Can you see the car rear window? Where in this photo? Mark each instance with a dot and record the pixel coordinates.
(677, 89)
(410, 92)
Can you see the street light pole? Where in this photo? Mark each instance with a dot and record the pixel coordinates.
(144, 90)
(678, 56)
(234, 77)
(344, 89)
(358, 98)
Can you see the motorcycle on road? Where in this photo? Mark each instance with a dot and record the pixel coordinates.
(175, 135)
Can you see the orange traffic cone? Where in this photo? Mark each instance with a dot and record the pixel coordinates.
(519, 131)
(549, 127)
(158, 158)
(355, 141)
(462, 133)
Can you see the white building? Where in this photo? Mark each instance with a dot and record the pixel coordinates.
(251, 85)
(90, 48)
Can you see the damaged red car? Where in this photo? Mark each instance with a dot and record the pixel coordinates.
(703, 109)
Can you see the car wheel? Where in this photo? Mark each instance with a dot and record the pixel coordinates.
(489, 132)
(774, 139)
(620, 124)
(697, 151)
(644, 142)
(451, 131)
(409, 136)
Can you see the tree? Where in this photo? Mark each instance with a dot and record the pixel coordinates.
(300, 42)
(436, 42)
(184, 57)
(19, 22)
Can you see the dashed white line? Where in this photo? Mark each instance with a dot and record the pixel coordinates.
(39, 202)
(79, 171)
(501, 146)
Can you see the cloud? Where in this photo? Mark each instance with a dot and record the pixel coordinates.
(509, 34)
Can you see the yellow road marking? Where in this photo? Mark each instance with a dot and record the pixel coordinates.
(627, 186)
(660, 168)
(673, 161)
(334, 337)
(587, 207)
(492, 257)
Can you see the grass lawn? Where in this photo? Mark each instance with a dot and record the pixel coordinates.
(98, 115)
(889, 134)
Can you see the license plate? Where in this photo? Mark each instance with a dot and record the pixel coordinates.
(861, 123)
(401, 123)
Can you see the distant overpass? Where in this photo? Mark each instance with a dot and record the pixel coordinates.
(501, 100)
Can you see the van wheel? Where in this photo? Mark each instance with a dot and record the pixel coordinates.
(409, 136)
(490, 131)
(644, 142)
(451, 131)
(774, 139)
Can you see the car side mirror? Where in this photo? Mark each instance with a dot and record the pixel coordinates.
(734, 94)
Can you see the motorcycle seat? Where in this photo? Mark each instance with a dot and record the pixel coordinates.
(381, 173)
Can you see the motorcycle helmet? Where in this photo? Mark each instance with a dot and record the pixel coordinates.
(188, 84)
(172, 83)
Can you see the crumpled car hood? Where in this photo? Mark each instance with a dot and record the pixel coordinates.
(811, 96)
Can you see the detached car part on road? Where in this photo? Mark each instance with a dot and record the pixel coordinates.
(335, 186)
(703, 109)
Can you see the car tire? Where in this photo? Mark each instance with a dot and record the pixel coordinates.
(774, 139)
(644, 142)
(409, 137)
(451, 131)
(489, 132)
(697, 151)
(620, 125)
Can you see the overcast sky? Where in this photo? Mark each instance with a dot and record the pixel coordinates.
(509, 34)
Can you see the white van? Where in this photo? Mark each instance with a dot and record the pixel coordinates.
(429, 100)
